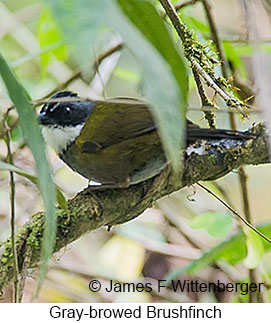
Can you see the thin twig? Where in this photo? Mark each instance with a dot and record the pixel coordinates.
(77, 74)
(215, 37)
(235, 213)
(230, 101)
(12, 210)
(241, 172)
(64, 84)
(182, 4)
(205, 102)
(219, 48)
(246, 208)
(182, 33)
(222, 191)
(243, 182)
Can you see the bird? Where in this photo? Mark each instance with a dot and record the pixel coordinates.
(113, 142)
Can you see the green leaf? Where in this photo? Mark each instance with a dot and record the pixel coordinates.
(126, 74)
(49, 34)
(81, 22)
(216, 224)
(164, 72)
(242, 49)
(234, 57)
(255, 249)
(196, 25)
(16, 134)
(265, 48)
(32, 134)
(233, 250)
(11, 168)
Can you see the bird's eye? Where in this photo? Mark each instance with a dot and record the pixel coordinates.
(67, 111)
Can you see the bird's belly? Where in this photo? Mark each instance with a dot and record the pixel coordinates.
(133, 160)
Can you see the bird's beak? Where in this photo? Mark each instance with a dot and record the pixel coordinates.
(43, 119)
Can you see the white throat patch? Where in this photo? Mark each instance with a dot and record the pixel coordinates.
(60, 137)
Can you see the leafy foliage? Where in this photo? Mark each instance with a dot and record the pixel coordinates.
(217, 224)
(232, 250)
(7, 167)
(49, 35)
(35, 142)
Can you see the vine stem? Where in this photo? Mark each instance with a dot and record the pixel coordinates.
(235, 212)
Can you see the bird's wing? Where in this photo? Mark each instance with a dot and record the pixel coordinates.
(114, 121)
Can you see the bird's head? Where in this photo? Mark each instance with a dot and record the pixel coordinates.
(62, 119)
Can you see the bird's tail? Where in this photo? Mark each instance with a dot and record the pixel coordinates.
(195, 133)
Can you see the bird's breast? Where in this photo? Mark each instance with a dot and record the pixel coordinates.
(60, 137)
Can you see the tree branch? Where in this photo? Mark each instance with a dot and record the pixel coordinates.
(90, 210)
(200, 66)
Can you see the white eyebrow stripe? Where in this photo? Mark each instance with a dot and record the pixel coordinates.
(54, 107)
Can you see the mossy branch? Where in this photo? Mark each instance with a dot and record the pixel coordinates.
(90, 210)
